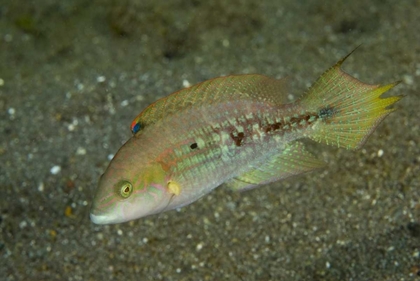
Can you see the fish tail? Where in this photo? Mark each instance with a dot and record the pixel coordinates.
(347, 109)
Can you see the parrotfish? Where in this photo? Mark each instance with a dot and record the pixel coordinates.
(236, 130)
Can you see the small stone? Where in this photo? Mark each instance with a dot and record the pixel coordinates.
(53, 233)
(100, 79)
(41, 187)
(408, 79)
(23, 224)
(380, 153)
(81, 151)
(124, 103)
(199, 246)
(1, 82)
(186, 83)
(11, 111)
(55, 169)
(68, 212)
(71, 127)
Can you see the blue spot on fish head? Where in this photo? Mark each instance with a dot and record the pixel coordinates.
(136, 128)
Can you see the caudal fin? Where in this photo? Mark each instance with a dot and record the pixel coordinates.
(348, 109)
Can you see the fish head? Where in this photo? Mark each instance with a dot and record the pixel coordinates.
(130, 188)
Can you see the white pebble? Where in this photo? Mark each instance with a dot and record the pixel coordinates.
(110, 156)
(100, 79)
(119, 232)
(11, 111)
(1, 82)
(145, 240)
(41, 187)
(71, 127)
(380, 153)
(55, 169)
(408, 79)
(23, 224)
(81, 151)
(186, 83)
(327, 265)
(124, 103)
(199, 246)
(178, 270)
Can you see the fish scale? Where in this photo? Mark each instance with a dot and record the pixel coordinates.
(238, 130)
(189, 163)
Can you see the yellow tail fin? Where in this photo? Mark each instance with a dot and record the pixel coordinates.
(349, 110)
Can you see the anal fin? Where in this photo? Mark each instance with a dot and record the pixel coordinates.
(292, 161)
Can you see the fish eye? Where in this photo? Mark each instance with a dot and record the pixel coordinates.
(126, 188)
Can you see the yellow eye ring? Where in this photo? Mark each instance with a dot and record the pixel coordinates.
(126, 189)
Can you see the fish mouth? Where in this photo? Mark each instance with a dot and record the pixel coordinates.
(104, 219)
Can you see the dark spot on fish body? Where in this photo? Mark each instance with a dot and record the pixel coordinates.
(272, 127)
(194, 146)
(326, 113)
(238, 138)
(290, 123)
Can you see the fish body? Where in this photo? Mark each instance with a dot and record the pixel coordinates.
(237, 130)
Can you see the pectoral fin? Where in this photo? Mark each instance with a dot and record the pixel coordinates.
(293, 160)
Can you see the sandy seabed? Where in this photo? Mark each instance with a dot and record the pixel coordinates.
(73, 75)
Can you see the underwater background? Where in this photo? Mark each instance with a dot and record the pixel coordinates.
(73, 75)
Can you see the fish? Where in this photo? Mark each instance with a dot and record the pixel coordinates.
(236, 130)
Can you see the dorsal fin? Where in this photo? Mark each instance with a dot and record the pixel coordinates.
(235, 87)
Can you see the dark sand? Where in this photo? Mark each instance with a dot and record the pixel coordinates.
(74, 75)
